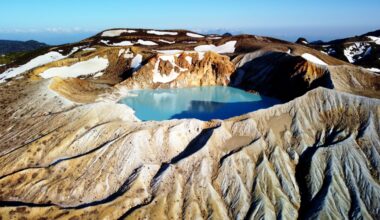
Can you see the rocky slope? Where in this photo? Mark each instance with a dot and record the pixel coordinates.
(361, 50)
(68, 150)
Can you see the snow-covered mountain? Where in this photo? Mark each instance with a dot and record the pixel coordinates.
(361, 50)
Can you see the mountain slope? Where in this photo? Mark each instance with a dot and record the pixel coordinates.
(361, 50)
(9, 46)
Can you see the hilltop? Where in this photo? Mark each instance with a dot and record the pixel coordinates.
(9, 46)
(12, 50)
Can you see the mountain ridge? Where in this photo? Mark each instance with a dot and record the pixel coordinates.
(362, 50)
(9, 46)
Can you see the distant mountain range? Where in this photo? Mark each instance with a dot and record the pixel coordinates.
(9, 46)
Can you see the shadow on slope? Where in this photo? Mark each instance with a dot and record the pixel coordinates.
(279, 75)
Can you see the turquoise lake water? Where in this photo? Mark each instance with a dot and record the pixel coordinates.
(204, 103)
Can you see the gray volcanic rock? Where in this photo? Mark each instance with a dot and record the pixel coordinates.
(68, 150)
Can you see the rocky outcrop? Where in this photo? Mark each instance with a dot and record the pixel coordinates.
(182, 70)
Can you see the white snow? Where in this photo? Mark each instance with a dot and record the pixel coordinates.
(228, 47)
(313, 59)
(115, 33)
(201, 55)
(376, 70)
(128, 54)
(74, 50)
(356, 51)
(89, 49)
(98, 74)
(305, 42)
(163, 78)
(136, 61)
(189, 59)
(120, 44)
(178, 52)
(168, 42)
(104, 42)
(2, 64)
(376, 40)
(162, 32)
(121, 51)
(214, 38)
(146, 42)
(331, 51)
(194, 35)
(169, 52)
(84, 68)
(123, 43)
(38, 61)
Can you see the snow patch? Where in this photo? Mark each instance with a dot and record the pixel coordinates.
(214, 38)
(357, 51)
(331, 51)
(98, 74)
(201, 55)
(228, 47)
(162, 32)
(116, 33)
(376, 40)
(89, 49)
(123, 43)
(195, 35)
(119, 44)
(74, 50)
(376, 70)
(128, 54)
(136, 61)
(36, 62)
(121, 51)
(84, 68)
(105, 42)
(313, 59)
(169, 52)
(168, 42)
(163, 78)
(146, 43)
(189, 59)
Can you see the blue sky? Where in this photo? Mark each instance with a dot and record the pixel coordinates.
(61, 21)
